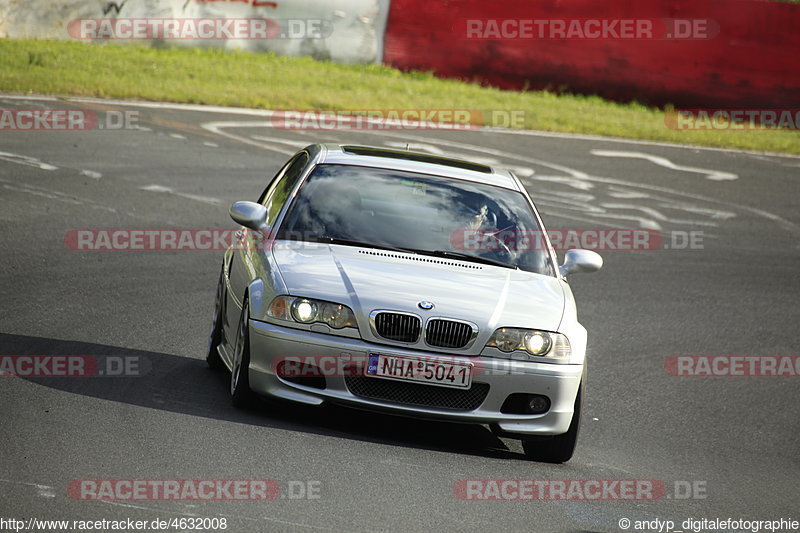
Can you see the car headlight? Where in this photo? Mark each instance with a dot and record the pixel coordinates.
(309, 311)
(530, 341)
(304, 310)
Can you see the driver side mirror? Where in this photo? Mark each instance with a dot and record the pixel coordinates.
(250, 215)
(580, 261)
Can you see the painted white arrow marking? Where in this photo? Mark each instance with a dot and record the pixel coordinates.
(715, 175)
(220, 127)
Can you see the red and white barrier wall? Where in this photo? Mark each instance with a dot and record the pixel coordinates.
(754, 60)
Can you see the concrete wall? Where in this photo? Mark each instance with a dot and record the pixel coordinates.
(356, 34)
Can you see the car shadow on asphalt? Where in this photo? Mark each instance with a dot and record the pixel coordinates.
(186, 385)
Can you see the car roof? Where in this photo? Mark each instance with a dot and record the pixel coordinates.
(372, 156)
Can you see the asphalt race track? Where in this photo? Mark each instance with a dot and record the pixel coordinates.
(733, 440)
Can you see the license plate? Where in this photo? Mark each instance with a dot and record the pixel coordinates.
(454, 374)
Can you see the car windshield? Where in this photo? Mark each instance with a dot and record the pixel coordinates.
(447, 217)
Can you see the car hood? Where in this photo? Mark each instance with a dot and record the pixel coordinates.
(367, 279)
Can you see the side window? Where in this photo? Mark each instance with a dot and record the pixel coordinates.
(274, 181)
(274, 198)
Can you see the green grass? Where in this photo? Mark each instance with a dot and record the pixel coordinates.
(241, 79)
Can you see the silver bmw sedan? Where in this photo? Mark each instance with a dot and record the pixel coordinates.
(407, 283)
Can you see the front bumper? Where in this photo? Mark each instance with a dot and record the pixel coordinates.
(560, 382)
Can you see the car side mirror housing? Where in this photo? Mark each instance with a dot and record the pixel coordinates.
(250, 215)
(578, 260)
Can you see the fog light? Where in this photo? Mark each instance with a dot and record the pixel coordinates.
(526, 404)
(538, 404)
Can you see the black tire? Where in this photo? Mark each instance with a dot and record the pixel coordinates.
(555, 448)
(215, 337)
(241, 396)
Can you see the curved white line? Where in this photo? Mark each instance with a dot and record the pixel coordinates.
(218, 127)
(715, 175)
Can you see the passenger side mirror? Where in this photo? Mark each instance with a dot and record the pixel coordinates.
(580, 261)
(250, 215)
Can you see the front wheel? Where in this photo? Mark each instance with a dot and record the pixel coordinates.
(241, 395)
(555, 448)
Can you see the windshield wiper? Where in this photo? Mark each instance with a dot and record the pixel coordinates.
(436, 253)
(467, 257)
(348, 242)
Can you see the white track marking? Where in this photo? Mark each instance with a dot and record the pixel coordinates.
(771, 160)
(147, 508)
(635, 142)
(218, 127)
(482, 149)
(317, 136)
(178, 136)
(168, 190)
(590, 180)
(31, 98)
(26, 160)
(177, 107)
(627, 195)
(287, 142)
(45, 491)
(714, 175)
(559, 213)
(91, 174)
(42, 194)
(532, 133)
(569, 181)
(574, 196)
(658, 215)
(670, 203)
(643, 222)
(53, 195)
(211, 145)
